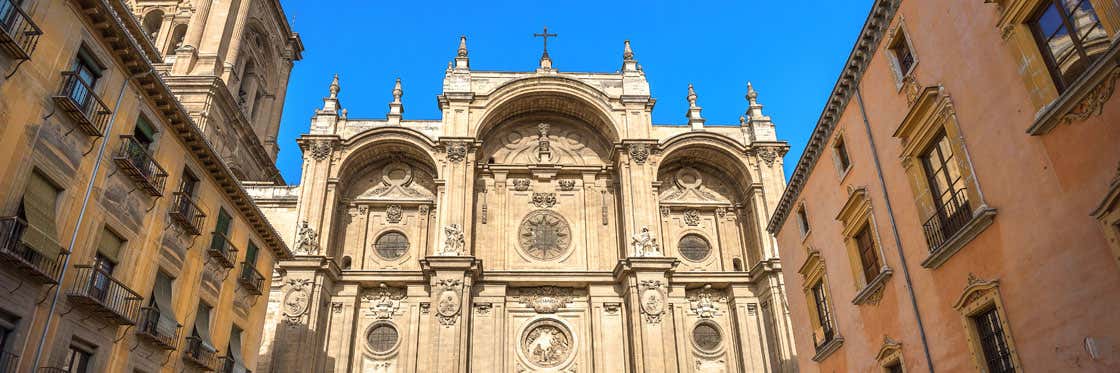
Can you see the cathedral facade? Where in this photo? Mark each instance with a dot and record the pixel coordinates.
(543, 224)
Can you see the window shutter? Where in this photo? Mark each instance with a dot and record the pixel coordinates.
(202, 325)
(223, 223)
(110, 246)
(40, 202)
(251, 254)
(162, 294)
(145, 130)
(235, 351)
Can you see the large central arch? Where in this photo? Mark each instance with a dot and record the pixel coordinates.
(559, 95)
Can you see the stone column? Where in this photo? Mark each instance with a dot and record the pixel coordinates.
(456, 205)
(649, 319)
(636, 178)
(301, 318)
(450, 279)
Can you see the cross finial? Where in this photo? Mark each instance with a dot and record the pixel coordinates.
(545, 35)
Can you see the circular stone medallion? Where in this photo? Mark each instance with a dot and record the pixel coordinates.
(547, 343)
(544, 235)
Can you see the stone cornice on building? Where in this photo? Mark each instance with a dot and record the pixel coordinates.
(878, 20)
(129, 52)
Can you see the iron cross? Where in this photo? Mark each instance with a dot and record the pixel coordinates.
(545, 35)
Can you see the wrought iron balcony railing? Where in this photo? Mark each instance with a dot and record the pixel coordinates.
(81, 103)
(186, 214)
(200, 355)
(164, 335)
(947, 220)
(98, 292)
(19, 34)
(251, 279)
(222, 250)
(17, 255)
(8, 362)
(137, 162)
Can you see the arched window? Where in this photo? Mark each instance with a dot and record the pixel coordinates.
(178, 34)
(391, 245)
(152, 22)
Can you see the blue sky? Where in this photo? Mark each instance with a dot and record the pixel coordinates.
(792, 51)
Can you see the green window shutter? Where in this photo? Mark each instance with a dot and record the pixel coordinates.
(223, 222)
(251, 254)
(40, 202)
(144, 132)
(110, 245)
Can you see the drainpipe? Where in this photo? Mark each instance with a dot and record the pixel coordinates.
(894, 229)
(81, 217)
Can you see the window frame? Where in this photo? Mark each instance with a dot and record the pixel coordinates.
(857, 217)
(802, 218)
(981, 296)
(813, 276)
(1051, 61)
(381, 235)
(842, 156)
(896, 36)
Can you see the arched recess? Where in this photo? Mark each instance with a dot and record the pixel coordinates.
(544, 194)
(387, 182)
(178, 34)
(704, 187)
(152, 22)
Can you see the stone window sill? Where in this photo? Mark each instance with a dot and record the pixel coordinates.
(873, 291)
(1086, 97)
(980, 221)
(828, 348)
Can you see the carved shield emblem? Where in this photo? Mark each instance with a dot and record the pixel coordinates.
(448, 303)
(651, 302)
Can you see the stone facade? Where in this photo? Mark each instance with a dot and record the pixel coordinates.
(957, 207)
(542, 224)
(119, 220)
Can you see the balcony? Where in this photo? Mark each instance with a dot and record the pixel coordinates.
(137, 162)
(18, 255)
(222, 250)
(251, 279)
(226, 364)
(186, 214)
(8, 362)
(199, 355)
(81, 103)
(19, 34)
(98, 292)
(162, 335)
(950, 217)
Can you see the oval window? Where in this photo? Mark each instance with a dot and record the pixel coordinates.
(706, 337)
(693, 247)
(382, 338)
(391, 245)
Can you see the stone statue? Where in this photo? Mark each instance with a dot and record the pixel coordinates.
(453, 243)
(644, 244)
(308, 241)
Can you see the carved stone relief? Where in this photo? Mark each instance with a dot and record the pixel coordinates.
(307, 242)
(393, 214)
(297, 299)
(644, 244)
(320, 149)
(652, 298)
(544, 235)
(543, 200)
(567, 185)
(520, 185)
(639, 153)
(544, 299)
(450, 302)
(706, 302)
(691, 217)
(383, 303)
(547, 343)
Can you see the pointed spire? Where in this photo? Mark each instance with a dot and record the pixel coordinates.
(334, 88)
(755, 109)
(695, 120)
(752, 96)
(691, 96)
(462, 61)
(759, 126)
(397, 92)
(462, 46)
(396, 108)
(629, 63)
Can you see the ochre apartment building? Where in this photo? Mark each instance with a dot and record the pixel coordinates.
(956, 208)
(127, 243)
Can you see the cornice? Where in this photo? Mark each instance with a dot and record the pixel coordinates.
(876, 25)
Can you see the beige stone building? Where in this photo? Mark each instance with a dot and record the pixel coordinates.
(544, 224)
(957, 207)
(127, 243)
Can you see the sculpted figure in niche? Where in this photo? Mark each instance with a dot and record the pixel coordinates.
(547, 344)
(644, 244)
(453, 244)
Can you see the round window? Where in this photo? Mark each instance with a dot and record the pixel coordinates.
(693, 247)
(706, 337)
(391, 245)
(382, 338)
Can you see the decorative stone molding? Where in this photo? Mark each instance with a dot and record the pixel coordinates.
(456, 151)
(639, 153)
(544, 299)
(567, 185)
(872, 293)
(393, 214)
(768, 154)
(691, 217)
(297, 300)
(336, 307)
(307, 241)
(612, 308)
(520, 185)
(320, 149)
(450, 301)
(543, 200)
(705, 302)
(1093, 103)
(453, 241)
(544, 235)
(665, 210)
(890, 352)
(483, 308)
(547, 344)
(383, 303)
(652, 299)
